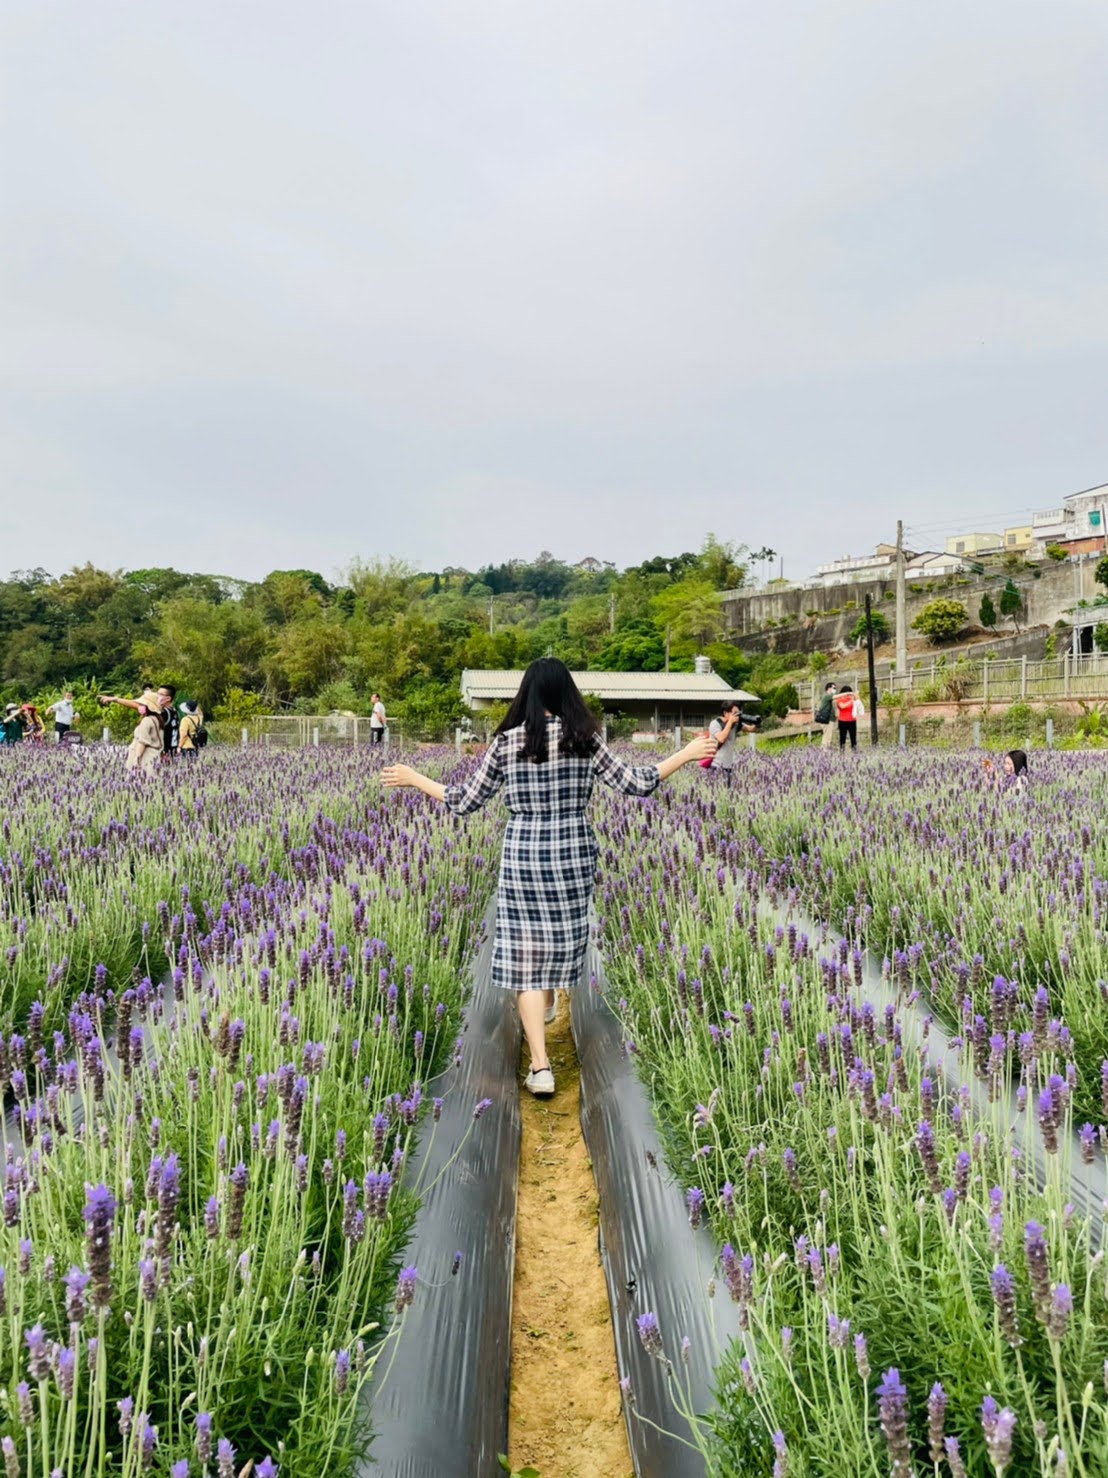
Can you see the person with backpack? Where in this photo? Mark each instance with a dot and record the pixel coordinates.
(849, 708)
(825, 715)
(193, 734)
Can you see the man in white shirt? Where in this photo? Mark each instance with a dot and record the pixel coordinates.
(64, 716)
(377, 720)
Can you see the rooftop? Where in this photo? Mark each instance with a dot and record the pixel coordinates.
(642, 687)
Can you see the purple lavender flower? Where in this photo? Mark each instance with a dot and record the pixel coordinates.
(893, 1409)
(1038, 1267)
(925, 1144)
(954, 1458)
(204, 1436)
(38, 1353)
(405, 1289)
(694, 1203)
(225, 1454)
(99, 1215)
(342, 1372)
(937, 1403)
(781, 1456)
(1004, 1296)
(267, 1468)
(181, 1469)
(861, 1356)
(455, 1266)
(65, 1371)
(1061, 1309)
(11, 1458)
(76, 1307)
(650, 1334)
(998, 1426)
(25, 1404)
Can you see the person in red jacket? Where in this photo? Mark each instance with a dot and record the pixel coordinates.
(849, 708)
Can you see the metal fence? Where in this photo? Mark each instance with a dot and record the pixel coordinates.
(297, 731)
(1002, 680)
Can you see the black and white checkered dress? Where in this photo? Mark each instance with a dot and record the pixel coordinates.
(548, 863)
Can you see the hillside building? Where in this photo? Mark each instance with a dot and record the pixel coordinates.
(972, 546)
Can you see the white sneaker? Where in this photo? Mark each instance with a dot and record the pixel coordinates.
(540, 1083)
(551, 1014)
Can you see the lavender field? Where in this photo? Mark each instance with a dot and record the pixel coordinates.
(867, 999)
(869, 1003)
(228, 998)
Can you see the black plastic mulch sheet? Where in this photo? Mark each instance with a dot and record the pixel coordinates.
(653, 1261)
(442, 1411)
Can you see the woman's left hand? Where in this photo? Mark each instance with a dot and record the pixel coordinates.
(396, 777)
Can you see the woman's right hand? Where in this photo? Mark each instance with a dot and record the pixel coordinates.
(703, 747)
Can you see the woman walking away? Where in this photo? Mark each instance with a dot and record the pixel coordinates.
(547, 753)
(145, 752)
(192, 721)
(849, 709)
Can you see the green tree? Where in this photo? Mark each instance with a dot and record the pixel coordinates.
(1011, 603)
(987, 613)
(204, 648)
(881, 628)
(1057, 553)
(723, 564)
(1100, 636)
(941, 620)
(693, 612)
(1101, 576)
(637, 646)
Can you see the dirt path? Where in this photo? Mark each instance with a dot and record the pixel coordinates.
(566, 1418)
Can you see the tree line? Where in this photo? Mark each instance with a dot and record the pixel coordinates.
(297, 642)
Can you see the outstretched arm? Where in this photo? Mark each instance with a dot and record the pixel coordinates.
(401, 777)
(642, 779)
(480, 788)
(107, 698)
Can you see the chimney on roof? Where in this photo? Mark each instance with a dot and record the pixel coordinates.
(702, 666)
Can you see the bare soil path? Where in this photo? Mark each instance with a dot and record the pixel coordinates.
(566, 1418)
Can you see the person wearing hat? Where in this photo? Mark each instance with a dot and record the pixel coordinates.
(146, 745)
(11, 731)
(192, 721)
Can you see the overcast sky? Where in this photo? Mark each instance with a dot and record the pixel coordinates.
(283, 284)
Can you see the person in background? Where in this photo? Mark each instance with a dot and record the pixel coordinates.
(849, 708)
(723, 730)
(34, 729)
(1013, 772)
(192, 717)
(11, 731)
(825, 715)
(165, 712)
(547, 754)
(146, 746)
(378, 721)
(65, 716)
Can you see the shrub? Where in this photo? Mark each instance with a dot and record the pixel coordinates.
(941, 620)
(1056, 553)
(987, 613)
(1100, 636)
(1018, 720)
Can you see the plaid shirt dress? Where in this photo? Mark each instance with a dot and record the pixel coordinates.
(548, 863)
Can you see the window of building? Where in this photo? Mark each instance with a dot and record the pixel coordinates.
(960, 547)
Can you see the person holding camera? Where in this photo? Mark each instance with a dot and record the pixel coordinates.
(723, 731)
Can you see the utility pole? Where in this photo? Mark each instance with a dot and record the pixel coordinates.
(872, 674)
(612, 612)
(901, 618)
(667, 648)
(490, 615)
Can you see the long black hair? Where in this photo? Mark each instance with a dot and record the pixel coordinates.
(1019, 761)
(548, 687)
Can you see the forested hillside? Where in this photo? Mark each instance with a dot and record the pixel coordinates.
(296, 642)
